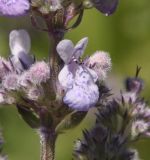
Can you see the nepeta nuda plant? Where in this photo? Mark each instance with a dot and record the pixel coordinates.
(55, 94)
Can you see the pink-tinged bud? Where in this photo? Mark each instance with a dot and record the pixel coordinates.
(39, 72)
(5, 67)
(10, 81)
(100, 62)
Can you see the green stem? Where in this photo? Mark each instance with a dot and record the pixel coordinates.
(47, 146)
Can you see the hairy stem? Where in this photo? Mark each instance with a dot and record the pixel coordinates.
(47, 142)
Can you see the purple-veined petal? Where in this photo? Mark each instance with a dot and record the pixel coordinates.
(65, 50)
(14, 7)
(80, 47)
(19, 41)
(105, 6)
(83, 77)
(82, 97)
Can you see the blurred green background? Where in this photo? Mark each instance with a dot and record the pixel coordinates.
(125, 35)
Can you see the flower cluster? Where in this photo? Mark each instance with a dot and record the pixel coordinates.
(30, 84)
(119, 123)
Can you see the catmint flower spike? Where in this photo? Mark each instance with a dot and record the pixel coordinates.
(14, 7)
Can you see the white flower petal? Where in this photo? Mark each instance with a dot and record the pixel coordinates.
(19, 41)
(65, 77)
(80, 47)
(65, 50)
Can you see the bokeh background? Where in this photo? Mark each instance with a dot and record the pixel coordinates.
(125, 35)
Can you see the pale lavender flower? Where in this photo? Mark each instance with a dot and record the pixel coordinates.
(100, 62)
(77, 80)
(39, 72)
(14, 7)
(70, 54)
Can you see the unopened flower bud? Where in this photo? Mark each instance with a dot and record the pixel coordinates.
(134, 85)
(100, 62)
(39, 72)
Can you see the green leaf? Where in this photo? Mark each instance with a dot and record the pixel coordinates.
(71, 120)
(29, 116)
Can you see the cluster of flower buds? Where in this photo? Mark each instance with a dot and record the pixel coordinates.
(119, 123)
